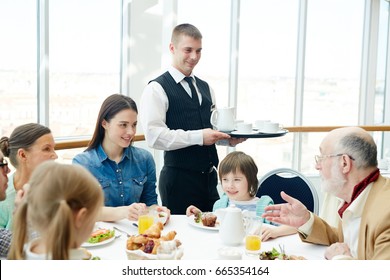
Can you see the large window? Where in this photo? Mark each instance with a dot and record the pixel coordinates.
(214, 64)
(84, 41)
(266, 75)
(18, 52)
(302, 64)
(332, 68)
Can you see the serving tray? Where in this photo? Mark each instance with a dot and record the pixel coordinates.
(258, 134)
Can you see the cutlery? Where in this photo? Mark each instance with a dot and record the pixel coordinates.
(123, 231)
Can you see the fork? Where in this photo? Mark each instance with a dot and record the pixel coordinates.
(281, 247)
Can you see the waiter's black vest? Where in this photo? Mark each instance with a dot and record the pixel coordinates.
(184, 113)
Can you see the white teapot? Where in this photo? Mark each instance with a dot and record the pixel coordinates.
(223, 119)
(231, 230)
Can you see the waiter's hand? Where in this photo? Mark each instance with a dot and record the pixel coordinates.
(211, 136)
(234, 141)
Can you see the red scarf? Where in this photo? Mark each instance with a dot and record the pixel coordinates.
(359, 188)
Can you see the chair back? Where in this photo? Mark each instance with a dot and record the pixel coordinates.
(292, 183)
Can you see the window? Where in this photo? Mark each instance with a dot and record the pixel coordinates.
(273, 74)
(84, 62)
(266, 76)
(18, 52)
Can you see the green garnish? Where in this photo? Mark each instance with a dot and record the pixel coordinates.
(198, 217)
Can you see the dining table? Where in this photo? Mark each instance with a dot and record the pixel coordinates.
(198, 242)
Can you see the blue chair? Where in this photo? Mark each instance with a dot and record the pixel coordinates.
(292, 183)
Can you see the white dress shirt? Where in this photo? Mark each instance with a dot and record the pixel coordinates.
(153, 107)
(328, 212)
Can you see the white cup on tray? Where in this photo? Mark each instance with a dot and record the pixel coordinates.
(271, 127)
(244, 127)
(259, 124)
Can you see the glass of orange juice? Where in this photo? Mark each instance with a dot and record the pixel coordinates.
(253, 235)
(145, 220)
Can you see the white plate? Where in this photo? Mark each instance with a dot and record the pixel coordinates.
(244, 133)
(192, 222)
(87, 245)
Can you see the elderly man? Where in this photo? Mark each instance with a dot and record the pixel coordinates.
(348, 168)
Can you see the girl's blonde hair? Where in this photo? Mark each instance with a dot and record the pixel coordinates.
(239, 161)
(56, 192)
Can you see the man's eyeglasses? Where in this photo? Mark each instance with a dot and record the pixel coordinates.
(320, 158)
(3, 163)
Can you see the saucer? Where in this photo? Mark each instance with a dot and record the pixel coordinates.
(271, 132)
(236, 132)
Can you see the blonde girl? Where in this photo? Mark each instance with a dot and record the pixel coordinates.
(62, 205)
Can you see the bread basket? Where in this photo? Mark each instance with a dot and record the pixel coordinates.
(141, 255)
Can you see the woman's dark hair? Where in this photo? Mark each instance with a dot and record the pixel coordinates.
(110, 107)
(23, 137)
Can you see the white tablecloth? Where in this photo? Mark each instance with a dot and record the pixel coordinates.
(200, 244)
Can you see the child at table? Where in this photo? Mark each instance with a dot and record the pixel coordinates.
(62, 206)
(238, 175)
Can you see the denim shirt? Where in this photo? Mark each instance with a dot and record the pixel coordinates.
(132, 180)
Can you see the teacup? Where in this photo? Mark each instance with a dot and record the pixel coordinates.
(259, 124)
(236, 122)
(271, 127)
(244, 127)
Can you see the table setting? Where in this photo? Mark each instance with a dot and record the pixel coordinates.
(194, 241)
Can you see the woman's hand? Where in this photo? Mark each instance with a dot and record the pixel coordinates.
(20, 195)
(164, 211)
(192, 210)
(135, 210)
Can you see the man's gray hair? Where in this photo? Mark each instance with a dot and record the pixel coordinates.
(360, 147)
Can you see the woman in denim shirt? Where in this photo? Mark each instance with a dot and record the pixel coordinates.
(126, 173)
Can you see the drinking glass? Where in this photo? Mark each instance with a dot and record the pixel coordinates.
(145, 220)
(253, 235)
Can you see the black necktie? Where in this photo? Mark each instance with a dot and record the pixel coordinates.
(194, 94)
